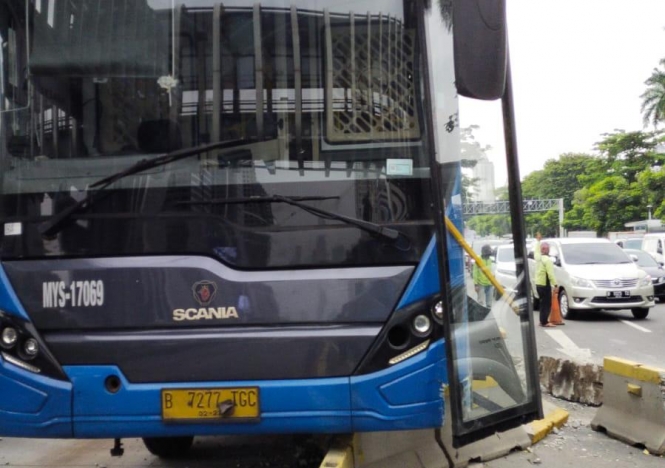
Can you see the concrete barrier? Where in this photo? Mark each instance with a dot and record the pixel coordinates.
(572, 381)
(633, 404)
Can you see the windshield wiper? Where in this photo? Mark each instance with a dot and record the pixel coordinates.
(367, 226)
(53, 225)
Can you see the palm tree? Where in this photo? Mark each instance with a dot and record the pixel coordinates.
(653, 99)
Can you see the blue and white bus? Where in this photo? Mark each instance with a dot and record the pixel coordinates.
(240, 217)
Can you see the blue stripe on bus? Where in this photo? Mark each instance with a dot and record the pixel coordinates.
(8, 300)
(425, 280)
(405, 396)
(32, 405)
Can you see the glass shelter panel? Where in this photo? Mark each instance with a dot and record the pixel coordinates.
(490, 331)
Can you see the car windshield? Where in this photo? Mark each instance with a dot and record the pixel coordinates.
(588, 253)
(643, 258)
(505, 254)
(632, 244)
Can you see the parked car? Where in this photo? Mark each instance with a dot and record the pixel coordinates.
(646, 262)
(653, 244)
(504, 268)
(596, 274)
(629, 243)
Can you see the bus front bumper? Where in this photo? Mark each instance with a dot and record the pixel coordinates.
(405, 396)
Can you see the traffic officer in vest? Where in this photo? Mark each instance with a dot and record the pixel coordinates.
(481, 283)
(545, 280)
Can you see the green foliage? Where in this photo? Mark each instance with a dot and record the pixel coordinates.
(559, 178)
(629, 153)
(547, 223)
(468, 184)
(604, 192)
(609, 204)
(653, 99)
(490, 225)
(471, 151)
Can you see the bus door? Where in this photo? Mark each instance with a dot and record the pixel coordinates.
(490, 345)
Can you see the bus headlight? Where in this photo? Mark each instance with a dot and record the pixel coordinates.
(409, 331)
(9, 337)
(422, 324)
(31, 348)
(21, 346)
(437, 310)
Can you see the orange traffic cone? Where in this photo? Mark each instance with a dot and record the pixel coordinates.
(555, 312)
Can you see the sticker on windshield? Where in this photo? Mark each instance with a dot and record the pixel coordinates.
(400, 167)
(13, 229)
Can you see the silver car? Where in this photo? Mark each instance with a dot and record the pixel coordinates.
(597, 274)
(504, 268)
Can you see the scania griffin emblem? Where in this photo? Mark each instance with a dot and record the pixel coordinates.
(204, 292)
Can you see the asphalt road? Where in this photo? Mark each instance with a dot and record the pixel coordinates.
(608, 333)
(208, 452)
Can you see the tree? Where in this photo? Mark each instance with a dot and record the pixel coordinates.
(606, 205)
(653, 99)
(559, 178)
(471, 152)
(652, 186)
(629, 153)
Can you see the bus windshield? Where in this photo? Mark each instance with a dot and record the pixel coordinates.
(326, 98)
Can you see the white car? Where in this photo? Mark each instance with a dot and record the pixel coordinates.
(504, 267)
(596, 274)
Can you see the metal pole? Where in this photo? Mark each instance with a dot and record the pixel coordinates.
(297, 76)
(561, 229)
(217, 88)
(510, 135)
(258, 69)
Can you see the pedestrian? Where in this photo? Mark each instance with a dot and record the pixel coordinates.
(481, 282)
(545, 280)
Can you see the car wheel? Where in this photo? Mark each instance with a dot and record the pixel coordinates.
(168, 447)
(640, 312)
(564, 306)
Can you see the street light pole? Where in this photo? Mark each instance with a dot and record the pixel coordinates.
(649, 208)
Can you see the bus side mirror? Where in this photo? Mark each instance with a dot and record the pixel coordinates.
(481, 50)
(634, 258)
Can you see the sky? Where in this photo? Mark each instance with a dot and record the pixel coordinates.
(579, 68)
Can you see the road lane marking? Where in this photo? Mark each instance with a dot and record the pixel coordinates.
(640, 328)
(568, 346)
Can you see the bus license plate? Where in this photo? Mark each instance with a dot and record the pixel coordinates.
(618, 294)
(219, 404)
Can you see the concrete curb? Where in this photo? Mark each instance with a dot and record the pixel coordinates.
(554, 417)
